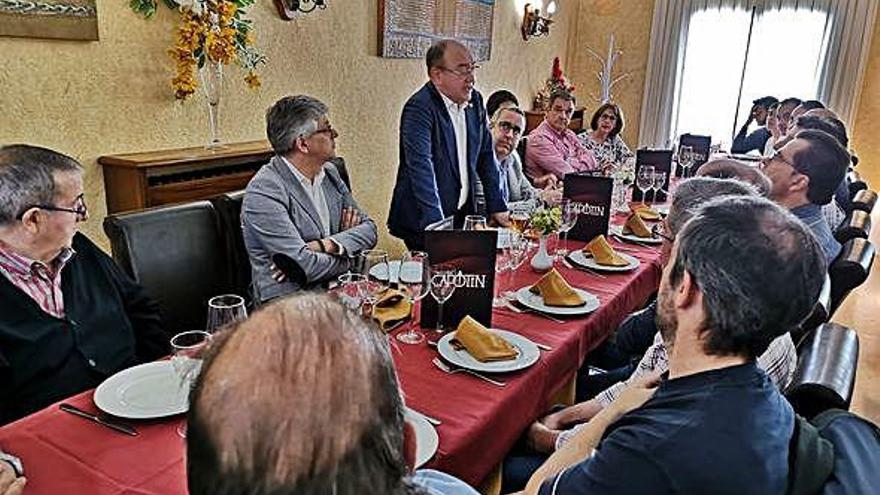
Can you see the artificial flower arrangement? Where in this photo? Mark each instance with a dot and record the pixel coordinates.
(556, 82)
(546, 220)
(210, 31)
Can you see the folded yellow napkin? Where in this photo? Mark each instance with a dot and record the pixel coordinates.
(482, 344)
(391, 309)
(646, 212)
(603, 253)
(556, 292)
(636, 226)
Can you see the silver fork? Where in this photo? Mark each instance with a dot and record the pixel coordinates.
(451, 371)
(510, 307)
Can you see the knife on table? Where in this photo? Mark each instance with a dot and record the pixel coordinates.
(113, 425)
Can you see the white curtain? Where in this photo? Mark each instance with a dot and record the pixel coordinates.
(848, 39)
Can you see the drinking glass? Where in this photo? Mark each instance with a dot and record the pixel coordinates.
(415, 277)
(223, 310)
(517, 254)
(377, 274)
(502, 265)
(442, 288)
(351, 290)
(569, 218)
(645, 180)
(659, 182)
(186, 360)
(685, 160)
(519, 216)
(474, 222)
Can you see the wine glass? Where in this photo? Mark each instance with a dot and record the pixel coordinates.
(442, 288)
(645, 180)
(659, 182)
(519, 215)
(502, 265)
(186, 360)
(686, 159)
(569, 219)
(474, 222)
(377, 274)
(517, 254)
(415, 277)
(351, 290)
(223, 310)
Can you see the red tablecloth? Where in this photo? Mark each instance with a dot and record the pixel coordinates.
(66, 454)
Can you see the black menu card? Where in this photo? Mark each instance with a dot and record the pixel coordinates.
(592, 197)
(661, 160)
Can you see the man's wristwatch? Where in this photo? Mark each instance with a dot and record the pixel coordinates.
(13, 461)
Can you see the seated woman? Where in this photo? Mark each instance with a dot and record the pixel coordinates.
(604, 140)
(70, 317)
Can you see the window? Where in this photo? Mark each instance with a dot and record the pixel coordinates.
(734, 56)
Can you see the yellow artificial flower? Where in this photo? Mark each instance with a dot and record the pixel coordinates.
(252, 80)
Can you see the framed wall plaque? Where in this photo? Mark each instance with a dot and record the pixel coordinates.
(54, 19)
(408, 27)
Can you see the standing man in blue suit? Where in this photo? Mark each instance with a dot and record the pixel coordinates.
(445, 145)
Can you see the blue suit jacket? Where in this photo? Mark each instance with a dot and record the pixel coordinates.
(428, 179)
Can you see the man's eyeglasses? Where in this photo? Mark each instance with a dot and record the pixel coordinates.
(777, 156)
(659, 230)
(328, 130)
(79, 208)
(465, 71)
(507, 126)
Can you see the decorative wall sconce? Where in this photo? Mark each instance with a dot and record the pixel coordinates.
(288, 8)
(534, 24)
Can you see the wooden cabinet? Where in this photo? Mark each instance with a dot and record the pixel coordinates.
(534, 119)
(134, 181)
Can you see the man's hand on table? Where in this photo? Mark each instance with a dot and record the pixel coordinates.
(502, 218)
(10, 484)
(545, 181)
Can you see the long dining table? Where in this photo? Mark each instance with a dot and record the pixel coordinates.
(480, 421)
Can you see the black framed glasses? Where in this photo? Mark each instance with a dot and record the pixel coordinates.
(79, 208)
(659, 230)
(465, 71)
(507, 126)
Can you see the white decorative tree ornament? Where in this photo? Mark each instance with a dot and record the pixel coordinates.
(605, 76)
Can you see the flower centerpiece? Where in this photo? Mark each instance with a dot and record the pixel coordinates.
(544, 221)
(556, 81)
(211, 32)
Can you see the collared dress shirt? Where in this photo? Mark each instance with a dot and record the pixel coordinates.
(459, 126)
(558, 153)
(38, 280)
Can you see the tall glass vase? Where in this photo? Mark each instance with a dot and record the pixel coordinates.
(211, 75)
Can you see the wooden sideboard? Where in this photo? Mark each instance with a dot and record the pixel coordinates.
(134, 181)
(534, 119)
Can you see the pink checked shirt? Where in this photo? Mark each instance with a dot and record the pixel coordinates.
(549, 151)
(39, 281)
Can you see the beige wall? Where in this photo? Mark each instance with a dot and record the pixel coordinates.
(112, 96)
(630, 22)
(866, 134)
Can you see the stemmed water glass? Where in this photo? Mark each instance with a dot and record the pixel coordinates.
(442, 288)
(659, 182)
(686, 160)
(517, 253)
(474, 222)
(502, 265)
(223, 310)
(569, 219)
(377, 274)
(415, 276)
(645, 180)
(186, 360)
(519, 215)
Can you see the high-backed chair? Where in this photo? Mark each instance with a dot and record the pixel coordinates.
(228, 208)
(864, 200)
(856, 225)
(849, 270)
(521, 151)
(819, 315)
(177, 254)
(826, 371)
(855, 182)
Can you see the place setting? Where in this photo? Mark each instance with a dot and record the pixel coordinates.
(599, 255)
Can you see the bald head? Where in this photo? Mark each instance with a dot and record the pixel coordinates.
(300, 398)
(726, 168)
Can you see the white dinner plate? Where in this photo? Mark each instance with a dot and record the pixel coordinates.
(412, 270)
(618, 231)
(534, 301)
(427, 439)
(150, 390)
(579, 257)
(527, 354)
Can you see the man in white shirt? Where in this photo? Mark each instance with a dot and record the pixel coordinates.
(298, 206)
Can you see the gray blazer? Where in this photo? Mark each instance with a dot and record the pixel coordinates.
(277, 216)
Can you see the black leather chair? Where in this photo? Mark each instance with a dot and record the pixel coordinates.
(849, 270)
(856, 225)
(339, 163)
(177, 254)
(864, 200)
(228, 208)
(826, 371)
(521, 151)
(819, 315)
(444, 224)
(855, 182)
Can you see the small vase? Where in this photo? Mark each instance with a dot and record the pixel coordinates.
(542, 261)
(211, 75)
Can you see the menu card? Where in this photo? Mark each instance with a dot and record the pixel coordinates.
(700, 145)
(471, 255)
(592, 197)
(661, 160)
